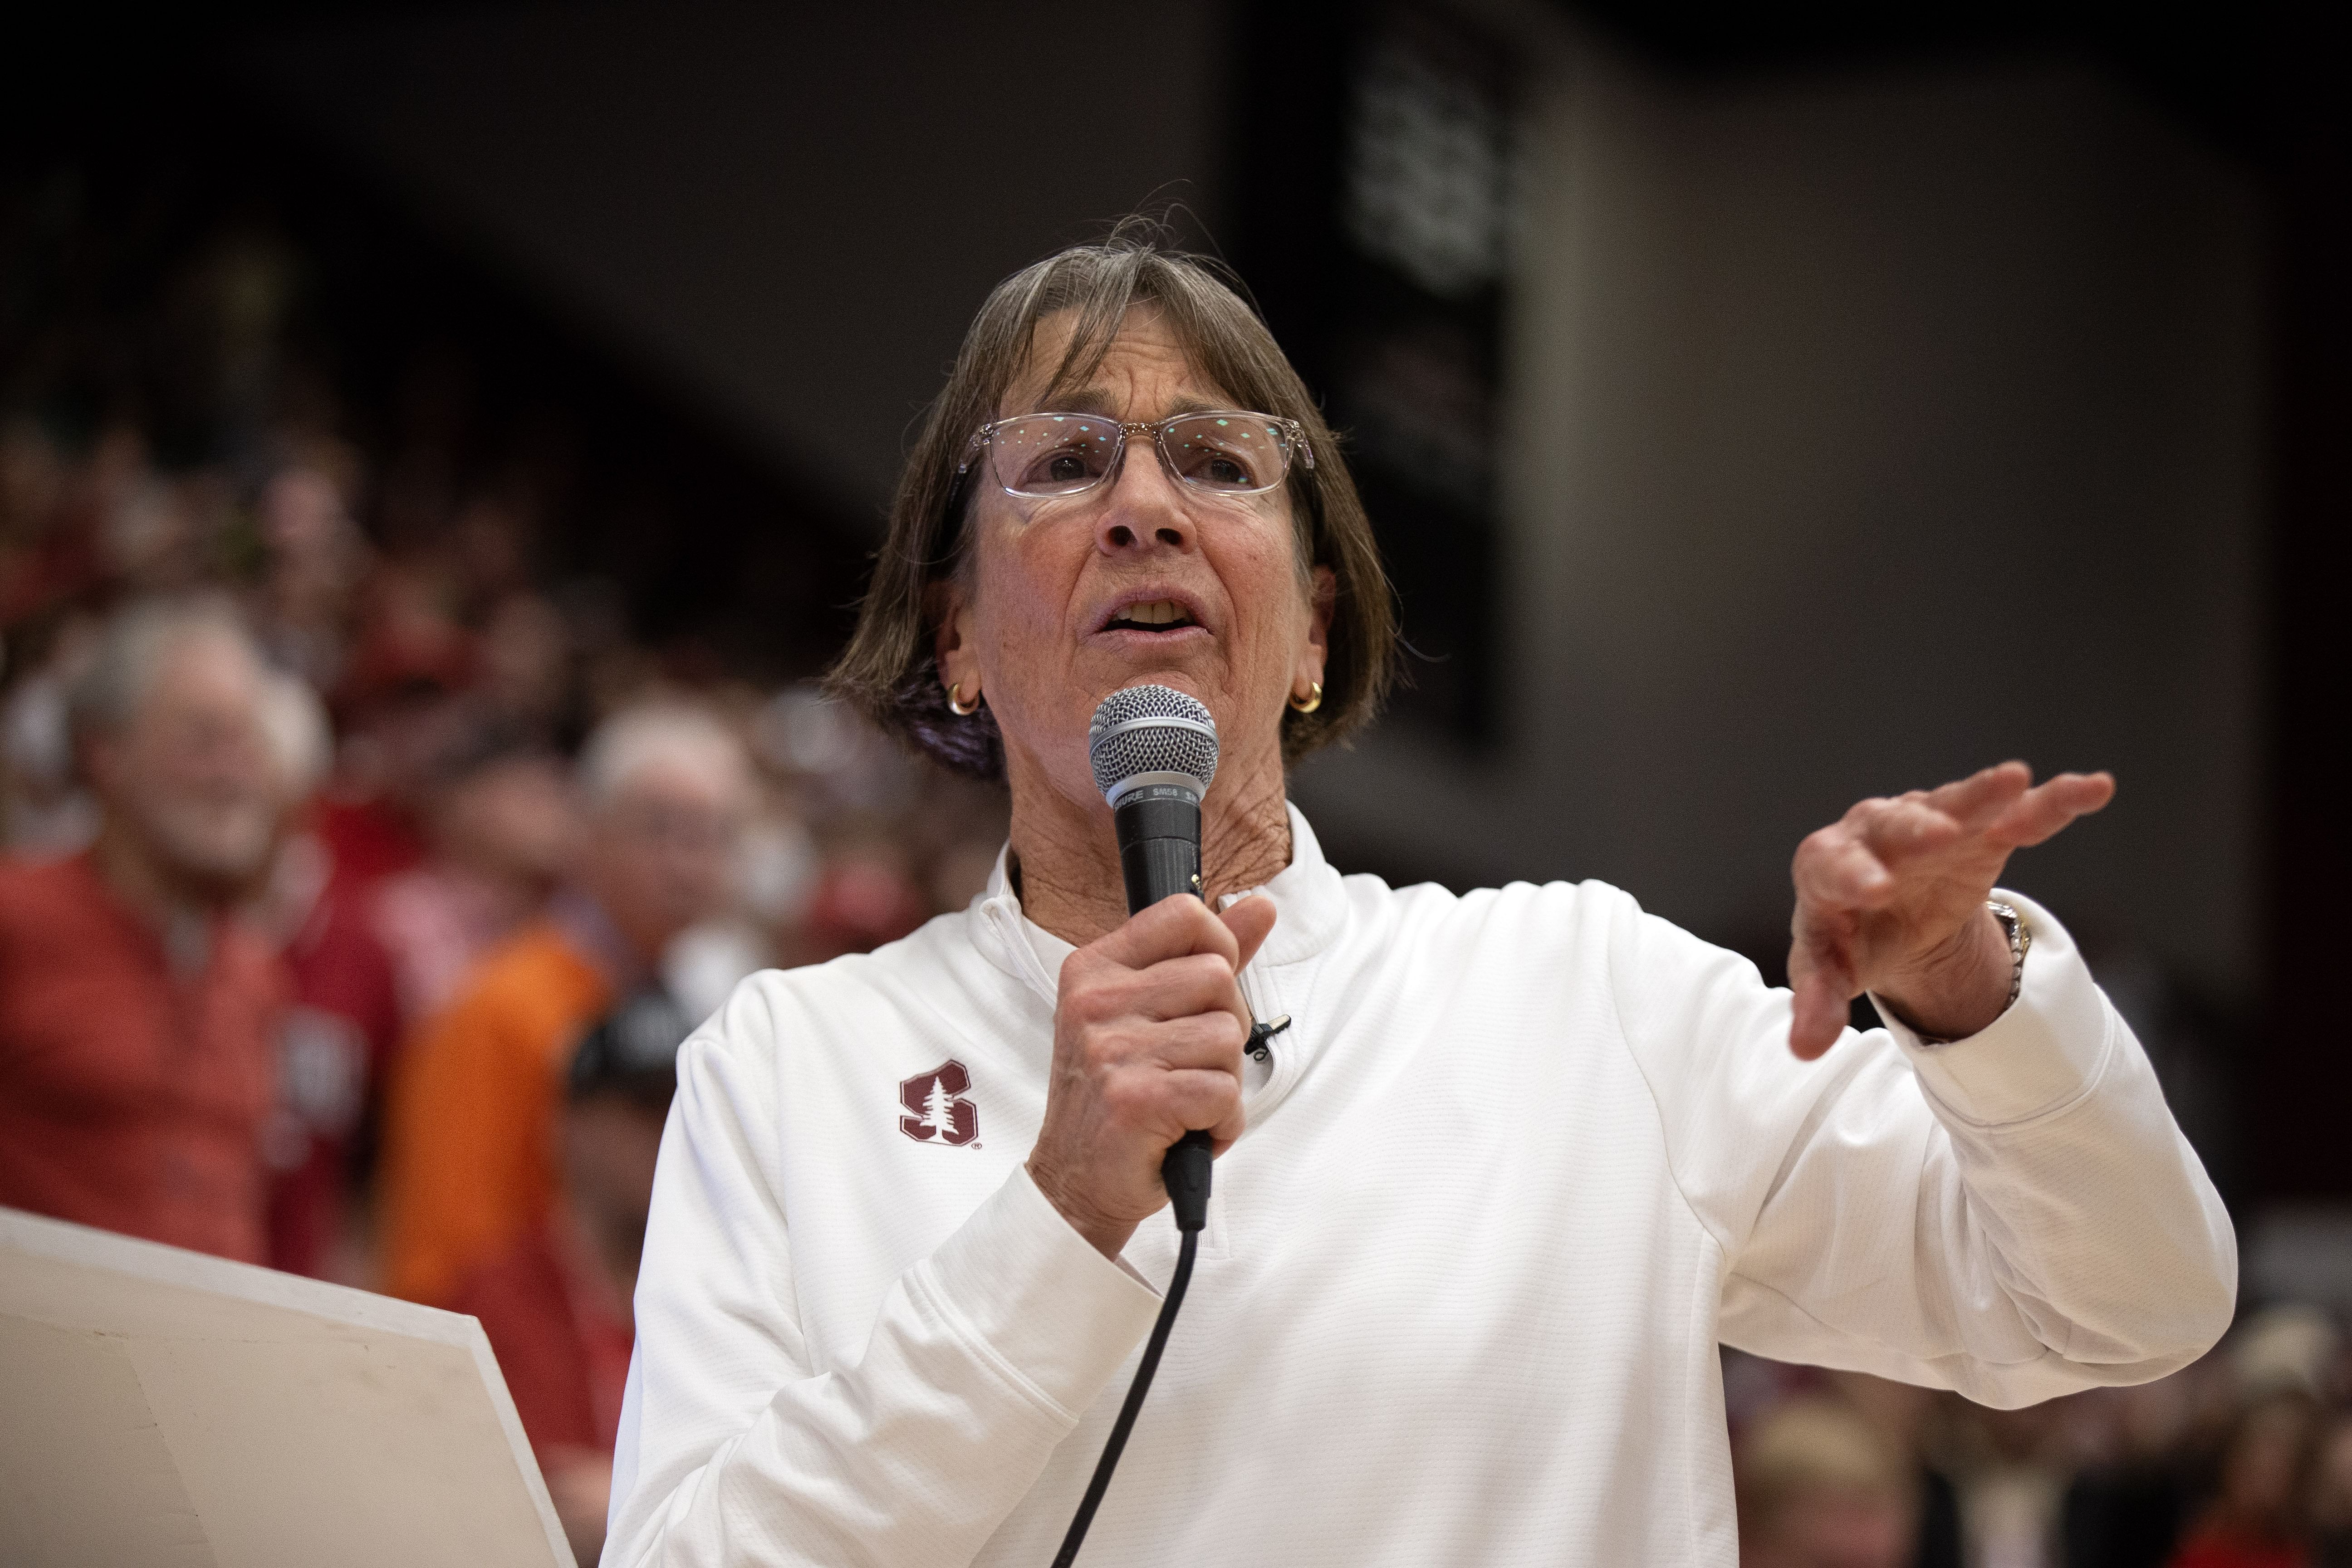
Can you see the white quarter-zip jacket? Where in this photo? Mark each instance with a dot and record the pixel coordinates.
(1521, 1160)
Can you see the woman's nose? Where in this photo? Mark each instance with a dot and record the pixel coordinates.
(1143, 507)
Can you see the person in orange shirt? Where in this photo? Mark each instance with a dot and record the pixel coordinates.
(556, 1304)
(470, 1157)
(138, 1014)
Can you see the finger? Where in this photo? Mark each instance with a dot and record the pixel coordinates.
(1183, 988)
(1203, 1099)
(1817, 1017)
(1177, 925)
(1974, 801)
(2040, 813)
(1836, 869)
(1250, 921)
(1205, 1041)
(1902, 829)
(1820, 995)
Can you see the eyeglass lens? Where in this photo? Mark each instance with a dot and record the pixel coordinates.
(1063, 454)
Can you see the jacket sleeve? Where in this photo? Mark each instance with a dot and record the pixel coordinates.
(734, 1449)
(2014, 1216)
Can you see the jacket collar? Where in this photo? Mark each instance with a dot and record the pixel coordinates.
(1310, 905)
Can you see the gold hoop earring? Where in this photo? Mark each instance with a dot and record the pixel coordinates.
(1314, 699)
(955, 701)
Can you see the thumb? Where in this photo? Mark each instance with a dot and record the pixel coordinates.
(1820, 993)
(1250, 920)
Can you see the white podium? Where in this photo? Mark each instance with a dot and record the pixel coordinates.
(158, 1406)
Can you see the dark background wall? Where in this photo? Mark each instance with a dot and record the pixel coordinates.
(789, 210)
(1867, 426)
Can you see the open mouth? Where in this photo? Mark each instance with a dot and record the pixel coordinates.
(1156, 616)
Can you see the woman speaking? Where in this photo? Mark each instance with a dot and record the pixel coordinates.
(1483, 1206)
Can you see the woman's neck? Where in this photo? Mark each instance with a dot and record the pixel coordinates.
(1065, 860)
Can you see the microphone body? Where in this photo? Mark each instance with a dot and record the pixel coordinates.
(1159, 843)
(1160, 854)
(1154, 751)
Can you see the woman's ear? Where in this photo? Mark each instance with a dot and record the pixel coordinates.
(1323, 593)
(949, 610)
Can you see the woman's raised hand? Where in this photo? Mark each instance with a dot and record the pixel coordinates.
(1891, 900)
(1148, 1037)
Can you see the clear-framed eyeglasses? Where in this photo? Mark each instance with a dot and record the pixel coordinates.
(1225, 452)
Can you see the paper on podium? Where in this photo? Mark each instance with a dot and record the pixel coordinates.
(158, 1406)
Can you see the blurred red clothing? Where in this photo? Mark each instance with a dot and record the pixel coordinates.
(469, 1156)
(340, 1036)
(2211, 1549)
(367, 839)
(335, 1049)
(858, 905)
(132, 1098)
(561, 1333)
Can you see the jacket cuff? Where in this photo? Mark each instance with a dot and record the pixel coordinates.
(2042, 1054)
(1018, 1285)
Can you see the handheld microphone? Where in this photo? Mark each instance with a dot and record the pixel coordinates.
(1154, 752)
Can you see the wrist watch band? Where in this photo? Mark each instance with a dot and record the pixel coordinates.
(2020, 937)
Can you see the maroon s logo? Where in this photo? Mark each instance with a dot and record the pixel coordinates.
(934, 1106)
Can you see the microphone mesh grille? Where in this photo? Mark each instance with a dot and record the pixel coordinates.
(1151, 748)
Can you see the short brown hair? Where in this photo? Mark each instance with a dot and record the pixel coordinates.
(890, 672)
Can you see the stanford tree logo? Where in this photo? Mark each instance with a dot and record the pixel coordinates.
(935, 1109)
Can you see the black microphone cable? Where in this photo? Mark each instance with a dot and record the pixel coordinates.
(1186, 1173)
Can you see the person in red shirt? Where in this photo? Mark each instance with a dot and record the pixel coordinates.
(555, 1305)
(137, 1013)
(335, 1040)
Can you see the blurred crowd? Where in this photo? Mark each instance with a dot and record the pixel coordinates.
(360, 883)
(2240, 1460)
(358, 886)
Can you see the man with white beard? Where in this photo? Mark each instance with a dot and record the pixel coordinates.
(136, 1010)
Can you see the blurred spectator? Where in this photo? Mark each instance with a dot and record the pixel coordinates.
(397, 707)
(525, 658)
(501, 828)
(2289, 1347)
(137, 1011)
(334, 1046)
(335, 1034)
(2255, 1517)
(2009, 1469)
(469, 1158)
(556, 1304)
(1902, 1415)
(1818, 1487)
(33, 483)
(49, 811)
(865, 896)
(316, 558)
(2330, 1504)
(2128, 1504)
